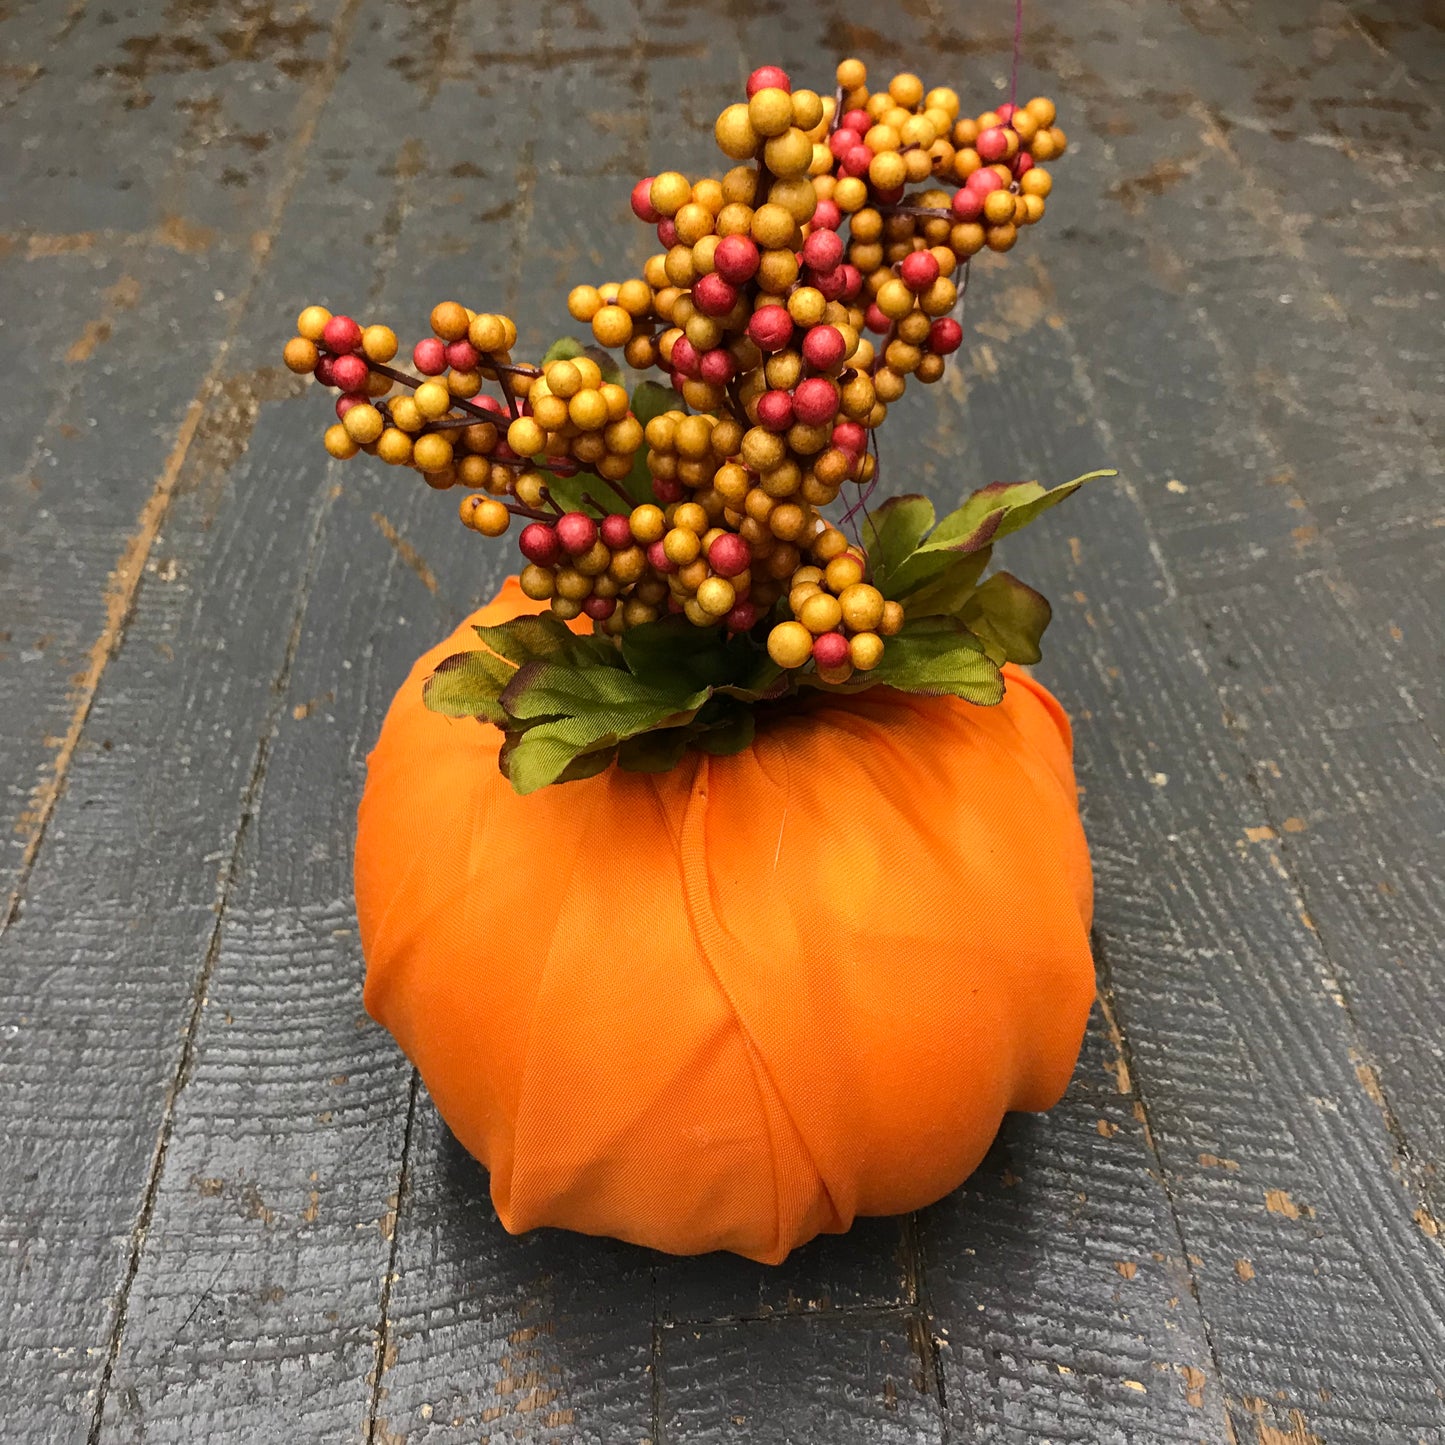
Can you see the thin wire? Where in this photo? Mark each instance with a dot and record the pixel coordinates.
(1013, 85)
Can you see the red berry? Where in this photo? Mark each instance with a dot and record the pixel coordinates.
(538, 543)
(599, 609)
(768, 77)
(968, 203)
(341, 334)
(462, 356)
(576, 531)
(992, 144)
(858, 121)
(717, 367)
(823, 251)
(325, 372)
(815, 401)
(827, 217)
(850, 437)
(832, 283)
(489, 403)
(770, 326)
(668, 491)
(347, 400)
(984, 181)
(775, 410)
(729, 555)
(667, 232)
(684, 357)
(736, 259)
(430, 356)
(823, 347)
(713, 296)
(743, 617)
(842, 141)
(875, 320)
(658, 558)
(562, 466)
(852, 281)
(616, 532)
(673, 605)
(1023, 161)
(1006, 111)
(889, 197)
(945, 336)
(856, 161)
(830, 649)
(350, 372)
(642, 206)
(919, 270)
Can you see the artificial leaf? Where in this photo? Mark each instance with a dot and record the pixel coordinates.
(469, 684)
(658, 751)
(953, 585)
(610, 696)
(587, 765)
(937, 655)
(1008, 617)
(731, 733)
(893, 531)
(527, 638)
(564, 348)
(542, 754)
(671, 651)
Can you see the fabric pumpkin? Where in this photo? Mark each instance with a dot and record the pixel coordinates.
(734, 1005)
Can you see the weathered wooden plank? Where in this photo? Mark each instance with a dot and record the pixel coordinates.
(845, 1378)
(104, 959)
(296, 1171)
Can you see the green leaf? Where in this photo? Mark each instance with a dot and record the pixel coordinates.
(672, 652)
(608, 697)
(731, 733)
(545, 753)
(953, 585)
(658, 751)
(527, 638)
(564, 348)
(587, 765)
(468, 684)
(935, 655)
(893, 531)
(1008, 617)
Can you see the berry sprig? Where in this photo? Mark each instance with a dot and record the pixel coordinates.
(790, 304)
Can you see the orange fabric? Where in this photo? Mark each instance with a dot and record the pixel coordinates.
(734, 1005)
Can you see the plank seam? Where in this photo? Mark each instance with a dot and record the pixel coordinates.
(383, 1329)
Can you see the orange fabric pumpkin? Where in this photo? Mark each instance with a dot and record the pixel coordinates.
(734, 1005)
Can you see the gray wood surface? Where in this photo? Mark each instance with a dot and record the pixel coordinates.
(228, 1210)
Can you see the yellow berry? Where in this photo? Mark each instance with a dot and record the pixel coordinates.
(788, 155)
(588, 410)
(807, 109)
(843, 572)
(888, 170)
(490, 517)
(790, 644)
(394, 447)
(734, 133)
(301, 355)
(526, 437)
(634, 296)
(432, 399)
(894, 299)
(771, 112)
(363, 423)
(820, 613)
(669, 192)
(432, 452)
(450, 321)
(647, 523)
(716, 596)
(862, 605)
(612, 326)
(379, 343)
(865, 651)
(311, 323)
(681, 546)
(537, 582)
(340, 443)
(1042, 109)
(893, 618)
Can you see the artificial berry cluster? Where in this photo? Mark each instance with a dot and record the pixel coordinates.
(762, 309)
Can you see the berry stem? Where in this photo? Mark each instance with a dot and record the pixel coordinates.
(621, 491)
